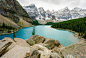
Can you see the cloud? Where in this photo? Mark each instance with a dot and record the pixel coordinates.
(55, 4)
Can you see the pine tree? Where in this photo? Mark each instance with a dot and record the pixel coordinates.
(85, 35)
(14, 36)
(79, 34)
(33, 33)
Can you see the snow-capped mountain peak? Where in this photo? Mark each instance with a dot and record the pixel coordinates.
(65, 13)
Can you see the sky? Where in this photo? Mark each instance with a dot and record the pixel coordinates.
(55, 4)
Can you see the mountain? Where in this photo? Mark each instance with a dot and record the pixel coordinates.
(78, 12)
(37, 13)
(31, 10)
(63, 14)
(12, 10)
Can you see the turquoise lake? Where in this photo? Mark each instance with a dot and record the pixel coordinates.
(64, 37)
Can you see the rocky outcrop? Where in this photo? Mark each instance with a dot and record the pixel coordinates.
(9, 40)
(52, 43)
(35, 39)
(21, 42)
(77, 50)
(47, 48)
(42, 51)
(30, 42)
(3, 47)
(17, 52)
(16, 48)
(6, 44)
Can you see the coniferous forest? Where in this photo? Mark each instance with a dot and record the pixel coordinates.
(77, 25)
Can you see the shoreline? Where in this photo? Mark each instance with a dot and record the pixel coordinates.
(12, 31)
(8, 33)
(76, 34)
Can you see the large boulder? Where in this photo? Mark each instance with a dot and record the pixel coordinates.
(52, 43)
(10, 40)
(77, 50)
(6, 44)
(17, 52)
(57, 43)
(35, 39)
(69, 56)
(44, 51)
(21, 42)
(35, 54)
(3, 47)
(30, 42)
(54, 55)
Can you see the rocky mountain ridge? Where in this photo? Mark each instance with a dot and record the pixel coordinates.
(63, 14)
(12, 10)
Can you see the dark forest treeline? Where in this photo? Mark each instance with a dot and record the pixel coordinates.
(5, 27)
(77, 25)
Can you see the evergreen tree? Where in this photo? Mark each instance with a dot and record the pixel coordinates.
(85, 35)
(14, 36)
(33, 33)
(77, 25)
(79, 34)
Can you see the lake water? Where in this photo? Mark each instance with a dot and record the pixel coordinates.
(64, 37)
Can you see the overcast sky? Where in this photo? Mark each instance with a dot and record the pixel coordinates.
(55, 4)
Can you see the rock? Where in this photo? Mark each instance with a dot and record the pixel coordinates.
(45, 52)
(30, 42)
(50, 42)
(10, 40)
(57, 43)
(77, 50)
(37, 39)
(27, 54)
(45, 45)
(61, 46)
(3, 47)
(35, 54)
(21, 42)
(17, 52)
(54, 55)
(69, 56)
